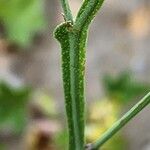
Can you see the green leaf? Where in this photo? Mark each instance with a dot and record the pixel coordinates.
(13, 103)
(124, 87)
(22, 19)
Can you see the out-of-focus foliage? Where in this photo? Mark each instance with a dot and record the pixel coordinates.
(103, 114)
(124, 87)
(45, 104)
(22, 19)
(2, 147)
(116, 143)
(61, 139)
(119, 90)
(13, 103)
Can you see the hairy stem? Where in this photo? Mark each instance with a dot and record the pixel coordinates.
(73, 58)
(87, 12)
(72, 37)
(67, 11)
(121, 122)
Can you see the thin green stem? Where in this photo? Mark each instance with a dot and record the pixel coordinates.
(122, 122)
(67, 11)
(87, 12)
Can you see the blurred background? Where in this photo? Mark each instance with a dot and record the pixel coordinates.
(32, 115)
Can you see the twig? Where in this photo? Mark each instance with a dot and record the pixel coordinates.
(67, 11)
(122, 122)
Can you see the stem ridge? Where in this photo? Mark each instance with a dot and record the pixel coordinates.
(73, 44)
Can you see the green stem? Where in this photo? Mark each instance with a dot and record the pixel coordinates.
(77, 61)
(87, 13)
(72, 37)
(122, 122)
(73, 64)
(67, 11)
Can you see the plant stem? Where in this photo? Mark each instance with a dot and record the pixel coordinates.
(122, 122)
(67, 11)
(72, 37)
(73, 64)
(87, 13)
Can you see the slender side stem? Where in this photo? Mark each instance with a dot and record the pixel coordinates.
(67, 11)
(122, 122)
(87, 13)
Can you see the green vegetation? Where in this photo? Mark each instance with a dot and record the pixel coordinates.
(13, 103)
(72, 35)
(22, 19)
(124, 87)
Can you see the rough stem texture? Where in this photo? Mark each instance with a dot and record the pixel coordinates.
(122, 122)
(67, 11)
(72, 37)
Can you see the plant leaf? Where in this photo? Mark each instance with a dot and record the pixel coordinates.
(22, 19)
